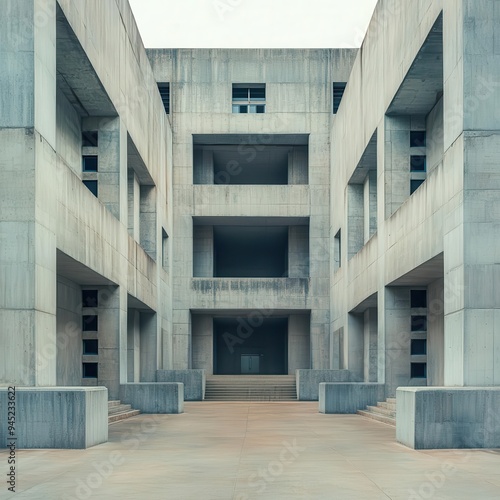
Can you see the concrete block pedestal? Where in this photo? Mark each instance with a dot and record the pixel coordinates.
(448, 417)
(154, 397)
(308, 381)
(193, 380)
(348, 397)
(56, 417)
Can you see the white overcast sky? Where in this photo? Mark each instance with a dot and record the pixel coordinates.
(252, 23)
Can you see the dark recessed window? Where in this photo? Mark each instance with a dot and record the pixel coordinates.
(90, 298)
(249, 98)
(418, 298)
(418, 163)
(91, 186)
(417, 139)
(419, 370)
(90, 347)
(418, 347)
(90, 139)
(89, 370)
(89, 323)
(164, 89)
(338, 93)
(419, 323)
(90, 163)
(415, 184)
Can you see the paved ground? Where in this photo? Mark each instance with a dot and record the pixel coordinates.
(246, 451)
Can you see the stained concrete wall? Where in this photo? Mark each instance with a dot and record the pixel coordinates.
(299, 351)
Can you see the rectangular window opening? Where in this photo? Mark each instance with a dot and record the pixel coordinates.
(418, 347)
(419, 370)
(90, 298)
(164, 89)
(418, 298)
(90, 163)
(90, 139)
(164, 249)
(89, 370)
(419, 323)
(338, 250)
(248, 98)
(415, 184)
(418, 138)
(338, 93)
(418, 163)
(90, 347)
(89, 323)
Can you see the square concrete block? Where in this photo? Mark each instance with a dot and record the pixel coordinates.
(448, 417)
(348, 397)
(56, 417)
(308, 381)
(154, 397)
(193, 380)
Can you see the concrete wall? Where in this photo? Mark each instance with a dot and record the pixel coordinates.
(193, 380)
(156, 397)
(348, 398)
(299, 353)
(308, 381)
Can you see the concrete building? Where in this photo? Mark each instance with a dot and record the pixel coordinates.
(183, 214)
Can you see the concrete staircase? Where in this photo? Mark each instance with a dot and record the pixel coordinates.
(251, 388)
(118, 411)
(384, 412)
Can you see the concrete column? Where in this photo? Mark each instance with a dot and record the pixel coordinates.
(337, 349)
(133, 346)
(320, 342)
(299, 355)
(472, 247)
(298, 252)
(149, 347)
(148, 216)
(182, 347)
(134, 196)
(370, 361)
(370, 205)
(27, 245)
(298, 165)
(203, 251)
(435, 333)
(353, 346)
(355, 219)
(396, 348)
(203, 343)
(203, 166)
(112, 175)
(112, 334)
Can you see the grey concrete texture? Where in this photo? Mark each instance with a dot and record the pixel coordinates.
(308, 381)
(154, 397)
(348, 397)
(254, 451)
(193, 380)
(56, 417)
(448, 417)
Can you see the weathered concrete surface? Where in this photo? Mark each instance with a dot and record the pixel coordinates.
(308, 381)
(193, 380)
(154, 397)
(57, 417)
(348, 397)
(448, 417)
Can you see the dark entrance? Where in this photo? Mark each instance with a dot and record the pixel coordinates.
(243, 349)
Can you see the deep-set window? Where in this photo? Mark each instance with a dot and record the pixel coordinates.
(89, 370)
(92, 187)
(90, 347)
(419, 370)
(418, 298)
(418, 347)
(417, 139)
(338, 93)
(90, 298)
(164, 89)
(90, 163)
(89, 323)
(249, 98)
(419, 323)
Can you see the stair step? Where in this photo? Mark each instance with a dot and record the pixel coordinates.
(251, 388)
(377, 416)
(119, 409)
(381, 410)
(117, 417)
(385, 404)
(114, 402)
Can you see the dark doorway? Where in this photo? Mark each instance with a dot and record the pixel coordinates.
(250, 346)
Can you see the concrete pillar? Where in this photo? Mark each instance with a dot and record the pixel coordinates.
(133, 205)
(435, 333)
(69, 333)
(370, 358)
(27, 245)
(203, 343)
(337, 349)
(203, 251)
(320, 342)
(370, 205)
(148, 216)
(299, 355)
(396, 347)
(203, 166)
(133, 346)
(298, 165)
(112, 334)
(298, 252)
(112, 174)
(355, 219)
(149, 347)
(182, 347)
(353, 346)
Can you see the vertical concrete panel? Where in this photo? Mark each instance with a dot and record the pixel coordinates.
(435, 333)
(298, 252)
(354, 345)
(355, 219)
(148, 347)
(203, 346)
(133, 346)
(299, 355)
(203, 251)
(370, 326)
(298, 165)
